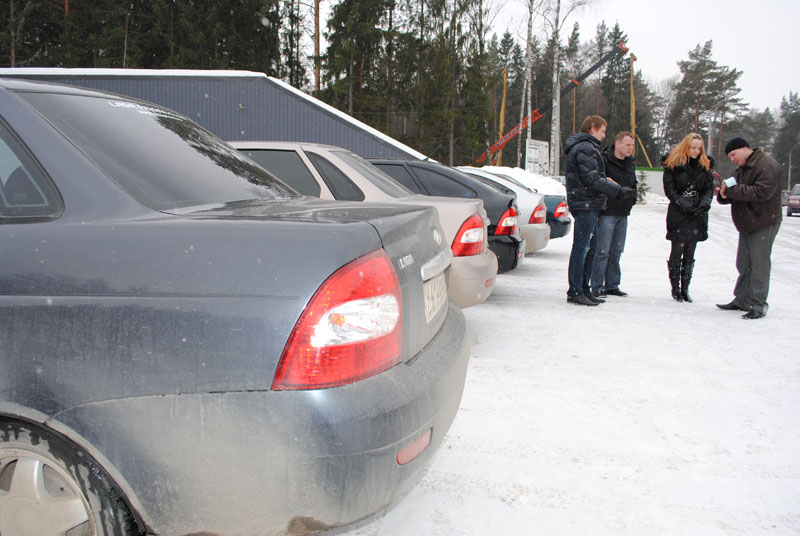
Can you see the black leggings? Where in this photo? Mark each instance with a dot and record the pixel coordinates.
(682, 249)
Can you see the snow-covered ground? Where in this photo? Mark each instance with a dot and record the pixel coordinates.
(641, 416)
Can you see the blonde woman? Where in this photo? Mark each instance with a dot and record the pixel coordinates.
(689, 185)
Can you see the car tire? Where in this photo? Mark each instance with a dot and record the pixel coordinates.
(49, 486)
(788, 211)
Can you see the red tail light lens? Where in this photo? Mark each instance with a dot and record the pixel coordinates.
(539, 214)
(561, 210)
(470, 237)
(508, 222)
(351, 328)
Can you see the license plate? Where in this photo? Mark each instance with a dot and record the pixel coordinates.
(435, 290)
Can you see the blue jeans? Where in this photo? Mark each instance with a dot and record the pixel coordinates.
(580, 259)
(609, 244)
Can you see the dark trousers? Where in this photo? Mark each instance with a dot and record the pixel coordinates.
(580, 259)
(754, 264)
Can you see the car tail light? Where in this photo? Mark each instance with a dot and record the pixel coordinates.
(508, 222)
(539, 214)
(351, 328)
(561, 210)
(469, 238)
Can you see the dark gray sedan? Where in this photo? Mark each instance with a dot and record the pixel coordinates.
(187, 346)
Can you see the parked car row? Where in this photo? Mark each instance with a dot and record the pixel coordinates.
(199, 337)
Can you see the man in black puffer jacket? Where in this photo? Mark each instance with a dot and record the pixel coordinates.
(612, 225)
(587, 188)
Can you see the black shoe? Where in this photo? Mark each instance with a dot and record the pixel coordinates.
(599, 293)
(581, 299)
(730, 307)
(615, 292)
(594, 298)
(752, 314)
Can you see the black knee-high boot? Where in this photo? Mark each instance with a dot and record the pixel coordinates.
(675, 279)
(686, 277)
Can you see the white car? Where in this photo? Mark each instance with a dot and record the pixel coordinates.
(330, 172)
(532, 209)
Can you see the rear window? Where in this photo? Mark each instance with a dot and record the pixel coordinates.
(159, 157)
(288, 166)
(796, 189)
(384, 182)
(442, 185)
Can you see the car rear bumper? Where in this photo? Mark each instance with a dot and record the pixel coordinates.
(559, 226)
(536, 235)
(472, 278)
(278, 462)
(510, 249)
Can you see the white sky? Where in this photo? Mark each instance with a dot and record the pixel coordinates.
(759, 38)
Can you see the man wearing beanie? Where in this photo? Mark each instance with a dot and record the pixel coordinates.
(754, 193)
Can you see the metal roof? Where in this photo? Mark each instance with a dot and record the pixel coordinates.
(235, 105)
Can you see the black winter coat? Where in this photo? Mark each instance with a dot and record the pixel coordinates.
(624, 173)
(690, 189)
(587, 186)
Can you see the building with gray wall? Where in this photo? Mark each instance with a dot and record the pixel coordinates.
(234, 105)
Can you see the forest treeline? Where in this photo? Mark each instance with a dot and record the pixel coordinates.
(430, 73)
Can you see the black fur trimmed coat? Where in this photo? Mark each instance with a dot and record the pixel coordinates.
(690, 190)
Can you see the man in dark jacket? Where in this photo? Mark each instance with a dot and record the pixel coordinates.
(754, 193)
(612, 225)
(587, 188)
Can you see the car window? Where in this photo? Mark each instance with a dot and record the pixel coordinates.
(399, 173)
(796, 189)
(26, 193)
(438, 184)
(340, 184)
(492, 184)
(377, 177)
(288, 166)
(162, 159)
(515, 182)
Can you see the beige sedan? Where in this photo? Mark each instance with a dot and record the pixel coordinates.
(330, 172)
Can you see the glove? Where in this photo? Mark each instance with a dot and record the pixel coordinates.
(701, 209)
(685, 205)
(625, 192)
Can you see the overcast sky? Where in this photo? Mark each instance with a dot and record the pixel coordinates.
(760, 38)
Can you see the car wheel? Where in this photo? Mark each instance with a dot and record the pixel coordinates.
(49, 487)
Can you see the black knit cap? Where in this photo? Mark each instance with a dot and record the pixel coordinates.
(736, 143)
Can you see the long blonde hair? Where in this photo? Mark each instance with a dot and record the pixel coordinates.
(679, 154)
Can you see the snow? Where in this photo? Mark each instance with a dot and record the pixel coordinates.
(640, 416)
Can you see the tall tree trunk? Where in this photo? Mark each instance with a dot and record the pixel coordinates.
(555, 122)
(526, 91)
(316, 47)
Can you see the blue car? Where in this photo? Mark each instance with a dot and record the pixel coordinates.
(189, 346)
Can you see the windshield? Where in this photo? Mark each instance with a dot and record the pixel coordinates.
(384, 182)
(159, 157)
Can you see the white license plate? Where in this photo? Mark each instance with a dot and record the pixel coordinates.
(435, 290)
